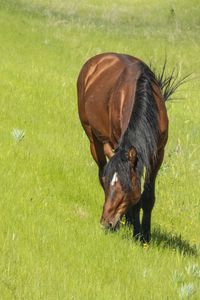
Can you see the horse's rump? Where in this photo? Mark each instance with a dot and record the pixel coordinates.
(107, 86)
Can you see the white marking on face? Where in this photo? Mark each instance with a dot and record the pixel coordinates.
(114, 179)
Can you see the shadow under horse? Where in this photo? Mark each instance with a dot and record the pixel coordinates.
(173, 241)
(121, 104)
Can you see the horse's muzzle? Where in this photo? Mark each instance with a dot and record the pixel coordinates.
(112, 225)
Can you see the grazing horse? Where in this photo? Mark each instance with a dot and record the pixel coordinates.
(121, 105)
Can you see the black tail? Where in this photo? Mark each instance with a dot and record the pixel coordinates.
(169, 83)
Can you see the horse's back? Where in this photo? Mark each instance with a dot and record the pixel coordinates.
(106, 89)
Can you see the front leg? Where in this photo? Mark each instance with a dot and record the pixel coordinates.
(147, 202)
(133, 218)
(136, 221)
(148, 198)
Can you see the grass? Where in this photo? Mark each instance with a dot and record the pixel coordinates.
(51, 244)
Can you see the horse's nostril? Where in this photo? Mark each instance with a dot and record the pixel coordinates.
(106, 224)
(110, 225)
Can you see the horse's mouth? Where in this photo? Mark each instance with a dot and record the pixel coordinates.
(111, 225)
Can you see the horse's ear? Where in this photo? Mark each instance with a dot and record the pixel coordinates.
(132, 155)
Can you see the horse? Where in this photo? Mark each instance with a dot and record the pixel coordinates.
(121, 106)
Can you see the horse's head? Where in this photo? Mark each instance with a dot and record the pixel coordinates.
(121, 187)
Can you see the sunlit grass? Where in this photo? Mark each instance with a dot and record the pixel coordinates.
(51, 243)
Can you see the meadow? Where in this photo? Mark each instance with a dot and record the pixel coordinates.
(51, 244)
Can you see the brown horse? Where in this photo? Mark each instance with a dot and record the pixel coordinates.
(122, 109)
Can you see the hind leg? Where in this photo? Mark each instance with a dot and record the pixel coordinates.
(148, 198)
(98, 154)
(97, 151)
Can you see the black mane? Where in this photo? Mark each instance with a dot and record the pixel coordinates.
(143, 129)
(142, 133)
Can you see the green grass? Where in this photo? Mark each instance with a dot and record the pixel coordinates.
(51, 244)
